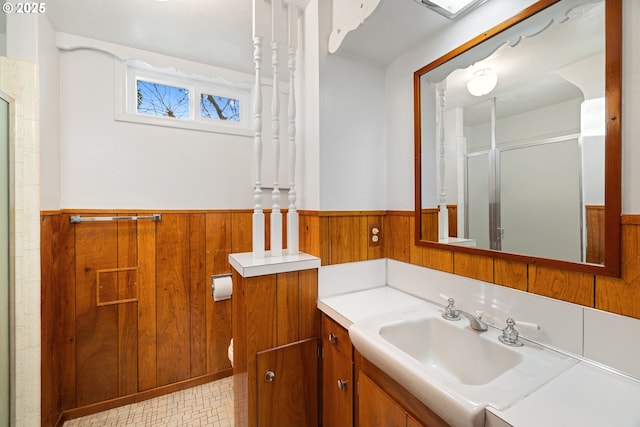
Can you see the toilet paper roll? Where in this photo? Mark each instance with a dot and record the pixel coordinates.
(230, 352)
(222, 288)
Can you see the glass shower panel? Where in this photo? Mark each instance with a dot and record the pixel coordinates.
(478, 199)
(540, 204)
(4, 264)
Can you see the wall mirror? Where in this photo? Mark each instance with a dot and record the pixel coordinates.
(517, 140)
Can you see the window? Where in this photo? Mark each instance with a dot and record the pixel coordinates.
(219, 107)
(170, 98)
(157, 99)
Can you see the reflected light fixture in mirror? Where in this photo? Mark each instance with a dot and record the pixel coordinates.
(451, 8)
(483, 82)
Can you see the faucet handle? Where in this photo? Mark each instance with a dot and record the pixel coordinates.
(510, 334)
(450, 311)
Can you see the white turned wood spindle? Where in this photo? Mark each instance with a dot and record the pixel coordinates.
(276, 214)
(258, 214)
(443, 214)
(292, 214)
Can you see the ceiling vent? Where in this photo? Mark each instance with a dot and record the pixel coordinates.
(451, 9)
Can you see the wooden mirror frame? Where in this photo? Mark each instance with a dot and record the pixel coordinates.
(613, 145)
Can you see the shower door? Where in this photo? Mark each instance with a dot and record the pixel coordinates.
(535, 203)
(540, 200)
(4, 264)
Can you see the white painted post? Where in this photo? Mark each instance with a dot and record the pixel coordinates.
(292, 214)
(276, 214)
(258, 214)
(443, 213)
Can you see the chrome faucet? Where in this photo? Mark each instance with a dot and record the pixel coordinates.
(452, 313)
(475, 322)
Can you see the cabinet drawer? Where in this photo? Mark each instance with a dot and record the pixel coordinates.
(334, 335)
(337, 389)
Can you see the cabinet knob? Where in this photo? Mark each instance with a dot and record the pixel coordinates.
(342, 384)
(269, 376)
(333, 338)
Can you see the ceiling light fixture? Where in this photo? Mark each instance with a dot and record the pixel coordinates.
(483, 82)
(451, 8)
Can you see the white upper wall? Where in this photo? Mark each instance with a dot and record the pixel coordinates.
(352, 143)
(111, 164)
(49, 73)
(399, 98)
(630, 107)
(352, 129)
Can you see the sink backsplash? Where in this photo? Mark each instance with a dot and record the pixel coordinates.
(607, 338)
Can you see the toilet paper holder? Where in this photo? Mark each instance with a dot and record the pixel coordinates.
(213, 279)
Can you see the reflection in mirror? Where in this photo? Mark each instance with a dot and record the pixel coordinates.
(511, 139)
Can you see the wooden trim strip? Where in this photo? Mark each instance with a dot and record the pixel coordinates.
(400, 213)
(624, 218)
(630, 219)
(148, 211)
(142, 396)
(349, 213)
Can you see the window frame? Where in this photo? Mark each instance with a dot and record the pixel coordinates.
(135, 70)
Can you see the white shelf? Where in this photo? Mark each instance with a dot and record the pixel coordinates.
(248, 266)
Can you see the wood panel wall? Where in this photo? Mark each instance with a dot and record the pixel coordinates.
(127, 306)
(181, 335)
(342, 236)
(160, 328)
(617, 295)
(429, 220)
(594, 218)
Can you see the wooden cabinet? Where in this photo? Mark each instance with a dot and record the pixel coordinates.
(382, 402)
(376, 408)
(337, 375)
(357, 393)
(288, 385)
(276, 325)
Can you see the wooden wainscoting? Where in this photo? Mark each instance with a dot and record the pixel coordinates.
(160, 327)
(617, 295)
(594, 216)
(342, 236)
(127, 306)
(172, 334)
(429, 218)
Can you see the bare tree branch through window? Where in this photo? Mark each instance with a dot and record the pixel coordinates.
(162, 100)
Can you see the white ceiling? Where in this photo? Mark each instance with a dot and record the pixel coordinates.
(206, 31)
(392, 29)
(219, 31)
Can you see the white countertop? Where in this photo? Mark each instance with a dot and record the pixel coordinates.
(248, 266)
(352, 307)
(583, 395)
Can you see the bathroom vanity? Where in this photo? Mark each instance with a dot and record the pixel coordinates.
(574, 391)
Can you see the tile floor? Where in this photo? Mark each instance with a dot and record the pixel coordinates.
(209, 405)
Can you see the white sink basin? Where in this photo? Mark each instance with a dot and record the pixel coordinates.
(453, 370)
(458, 353)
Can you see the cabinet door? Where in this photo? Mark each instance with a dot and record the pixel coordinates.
(287, 378)
(376, 408)
(412, 422)
(337, 389)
